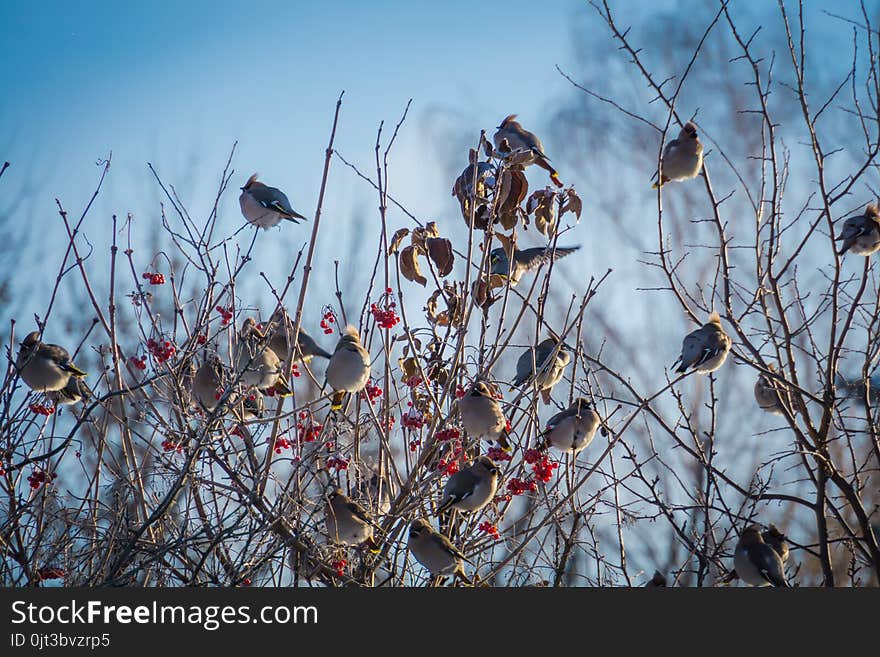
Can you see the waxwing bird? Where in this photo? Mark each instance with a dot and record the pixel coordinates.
(349, 366)
(257, 365)
(208, 382)
(767, 393)
(574, 428)
(435, 551)
(658, 581)
(44, 367)
(705, 349)
(511, 137)
(482, 417)
(683, 157)
(265, 206)
(75, 391)
(861, 235)
(348, 523)
(281, 329)
(776, 540)
(525, 261)
(550, 367)
(757, 563)
(472, 488)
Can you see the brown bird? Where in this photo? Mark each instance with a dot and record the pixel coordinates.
(435, 551)
(44, 367)
(511, 138)
(348, 523)
(472, 488)
(482, 417)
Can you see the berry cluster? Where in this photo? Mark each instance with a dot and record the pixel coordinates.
(328, 319)
(339, 565)
(386, 317)
(294, 371)
(2, 471)
(154, 278)
(447, 468)
(337, 463)
(452, 433)
(371, 391)
(202, 339)
(39, 477)
(226, 314)
(139, 363)
(542, 466)
(237, 430)
(39, 409)
(50, 572)
(497, 454)
(414, 445)
(307, 429)
(488, 528)
(281, 443)
(161, 351)
(459, 391)
(169, 445)
(414, 381)
(520, 486)
(412, 419)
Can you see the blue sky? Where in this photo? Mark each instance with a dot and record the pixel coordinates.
(176, 83)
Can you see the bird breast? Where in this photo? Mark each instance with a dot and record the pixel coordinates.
(481, 416)
(255, 213)
(43, 374)
(348, 370)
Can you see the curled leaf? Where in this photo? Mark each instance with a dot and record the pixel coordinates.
(409, 266)
(542, 204)
(420, 235)
(512, 191)
(440, 251)
(397, 239)
(572, 203)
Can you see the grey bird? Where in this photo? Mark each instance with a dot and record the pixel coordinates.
(658, 581)
(777, 540)
(705, 349)
(482, 416)
(45, 367)
(265, 206)
(511, 138)
(756, 563)
(550, 367)
(525, 261)
(255, 363)
(348, 523)
(472, 488)
(861, 234)
(435, 551)
(209, 381)
(574, 428)
(75, 391)
(349, 366)
(682, 157)
(768, 391)
(281, 329)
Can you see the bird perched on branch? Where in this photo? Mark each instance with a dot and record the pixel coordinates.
(861, 234)
(705, 349)
(349, 367)
(550, 366)
(777, 540)
(256, 364)
(265, 206)
(348, 523)
(482, 417)
(208, 382)
(281, 328)
(435, 551)
(525, 261)
(75, 391)
(682, 157)
(768, 391)
(756, 562)
(574, 428)
(658, 581)
(45, 367)
(472, 488)
(511, 139)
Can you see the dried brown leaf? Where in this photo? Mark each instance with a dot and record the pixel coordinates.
(409, 266)
(440, 251)
(397, 239)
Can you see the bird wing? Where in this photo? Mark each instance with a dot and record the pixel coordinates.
(559, 417)
(524, 367)
(274, 199)
(358, 511)
(768, 563)
(535, 257)
(445, 544)
(459, 487)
